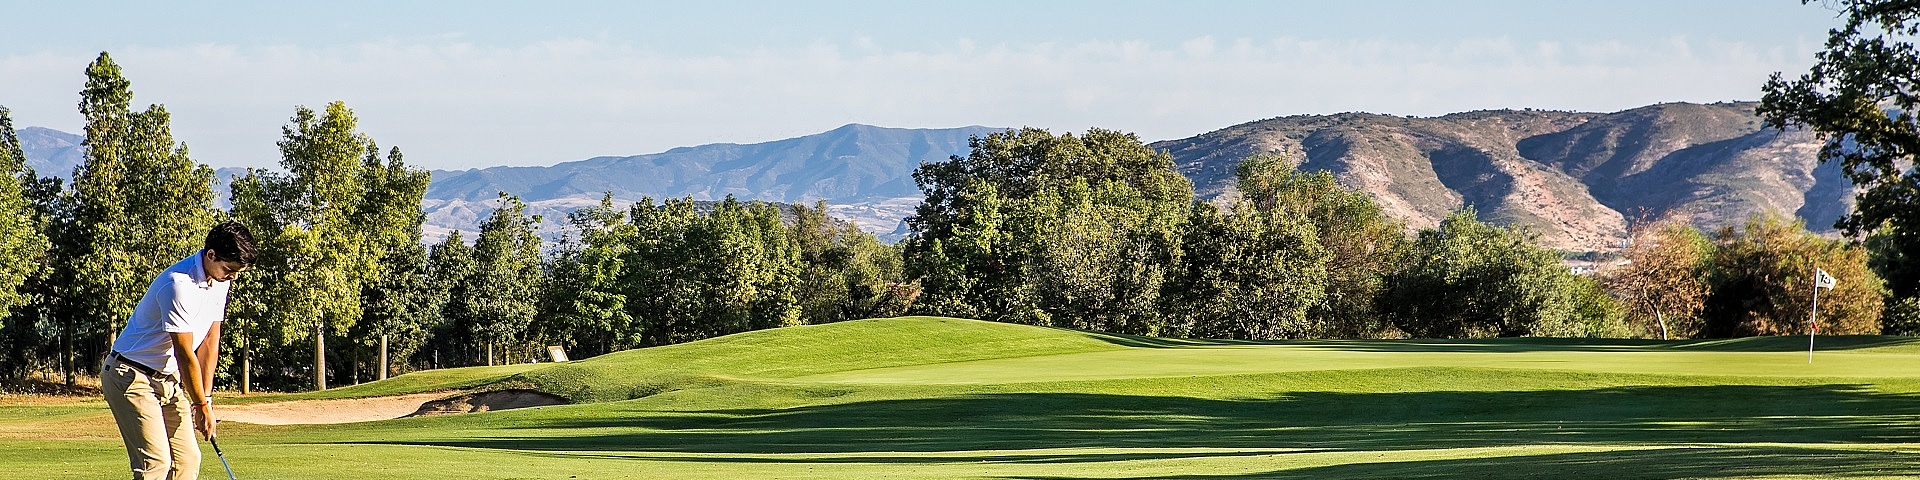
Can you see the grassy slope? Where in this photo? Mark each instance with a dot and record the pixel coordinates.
(792, 352)
(942, 398)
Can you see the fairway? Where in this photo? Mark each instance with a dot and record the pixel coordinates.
(921, 397)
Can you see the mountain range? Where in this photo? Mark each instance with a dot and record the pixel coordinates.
(50, 153)
(864, 173)
(1575, 178)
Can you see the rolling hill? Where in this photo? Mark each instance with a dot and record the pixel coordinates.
(1574, 177)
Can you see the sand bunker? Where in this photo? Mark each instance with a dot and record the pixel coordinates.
(485, 401)
(382, 408)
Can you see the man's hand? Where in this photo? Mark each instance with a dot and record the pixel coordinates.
(203, 420)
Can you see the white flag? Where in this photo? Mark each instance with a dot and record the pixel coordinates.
(1822, 280)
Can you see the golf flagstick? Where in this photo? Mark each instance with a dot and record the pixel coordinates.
(1820, 280)
(223, 457)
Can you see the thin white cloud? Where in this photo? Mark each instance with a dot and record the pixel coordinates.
(455, 104)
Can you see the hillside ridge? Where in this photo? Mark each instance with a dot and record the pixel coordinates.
(1575, 178)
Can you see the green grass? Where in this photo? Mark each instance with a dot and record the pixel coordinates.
(945, 398)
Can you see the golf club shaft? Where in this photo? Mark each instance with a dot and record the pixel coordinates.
(223, 458)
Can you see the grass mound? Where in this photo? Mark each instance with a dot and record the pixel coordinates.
(751, 356)
(928, 356)
(929, 350)
(799, 351)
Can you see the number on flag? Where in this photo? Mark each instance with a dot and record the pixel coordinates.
(1822, 280)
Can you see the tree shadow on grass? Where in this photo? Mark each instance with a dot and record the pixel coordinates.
(1733, 462)
(1002, 458)
(1517, 345)
(1312, 420)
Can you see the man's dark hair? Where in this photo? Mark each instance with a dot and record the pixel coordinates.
(231, 242)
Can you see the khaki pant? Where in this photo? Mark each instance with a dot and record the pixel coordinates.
(156, 422)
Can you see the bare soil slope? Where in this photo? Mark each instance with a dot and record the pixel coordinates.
(1576, 178)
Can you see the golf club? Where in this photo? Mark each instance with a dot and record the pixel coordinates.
(223, 457)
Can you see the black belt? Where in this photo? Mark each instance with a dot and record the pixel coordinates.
(136, 365)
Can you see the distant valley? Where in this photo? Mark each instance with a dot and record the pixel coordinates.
(1574, 177)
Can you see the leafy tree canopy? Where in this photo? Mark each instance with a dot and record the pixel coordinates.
(1860, 95)
(1471, 279)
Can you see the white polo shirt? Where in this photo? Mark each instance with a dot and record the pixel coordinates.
(182, 299)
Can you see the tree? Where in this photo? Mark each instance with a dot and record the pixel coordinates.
(1763, 282)
(1901, 318)
(690, 276)
(1364, 245)
(584, 308)
(846, 274)
(252, 308)
(322, 227)
(449, 263)
(1471, 279)
(745, 270)
(968, 267)
(1249, 273)
(1664, 282)
(139, 204)
(23, 255)
(1860, 96)
(501, 292)
(984, 243)
(396, 303)
(1597, 314)
(1097, 255)
(1886, 257)
(399, 308)
(657, 271)
(22, 245)
(51, 305)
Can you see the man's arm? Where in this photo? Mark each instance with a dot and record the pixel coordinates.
(190, 373)
(209, 356)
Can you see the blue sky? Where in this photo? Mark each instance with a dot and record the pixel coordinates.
(474, 84)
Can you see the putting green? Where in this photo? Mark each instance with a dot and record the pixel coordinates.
(947, 398)
(1285, 357)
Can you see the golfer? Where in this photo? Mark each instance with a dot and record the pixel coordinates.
(160, 373)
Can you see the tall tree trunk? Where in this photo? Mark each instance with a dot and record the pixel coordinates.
(1663, 323)
(320, 356)
(383, 357)
(353, 363)
(66, 349)
(246, 365)
(489, 354)
(1657, 317)
(105, 346)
